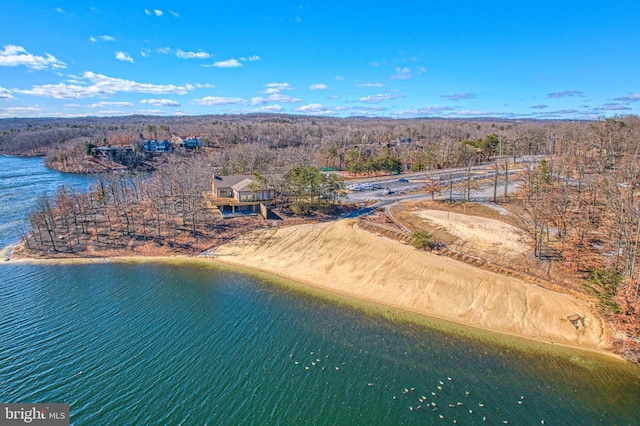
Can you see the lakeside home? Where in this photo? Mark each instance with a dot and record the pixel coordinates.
(240, 194)
(187, 142)
(111, 152)
(155, 146)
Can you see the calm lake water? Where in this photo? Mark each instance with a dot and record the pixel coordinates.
(193, 343)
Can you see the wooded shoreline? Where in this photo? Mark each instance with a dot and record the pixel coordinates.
(580, 203)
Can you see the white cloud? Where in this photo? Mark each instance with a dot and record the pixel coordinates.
(111, 104)
(480, 113)
(174, 14)
(229, 63)
(279, 86)
(565, 94)
(402, 74)
(192, 55)
(13, 56)
(318, 87)
(6, 94)
(59, 10)
(103, 38)
(420, 112)
(151, 112)
(160, 102)
(110, 113)
(380, 98)
(64, 91)
(367, 112)
(630, 98)
(165, 50)
(317, 109)
(459, 96)
(18, 111)
(121, 85)
(612, 107)
(102, 85)
(145, 53)
(216, 100)
(275, 97)
(122, 56)
(375, 84)
(252, 58)
(268, 109)
(156, 12)
(205, 86)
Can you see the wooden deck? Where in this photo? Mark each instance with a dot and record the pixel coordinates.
(218, 204)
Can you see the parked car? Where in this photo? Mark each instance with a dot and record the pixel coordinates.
(387, 191)
(403, 180)
(376, 186)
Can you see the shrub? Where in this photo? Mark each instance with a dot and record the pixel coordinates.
(421, 240)
(604, 284)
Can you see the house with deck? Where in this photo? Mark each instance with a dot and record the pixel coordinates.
(187, 142)
(155, 146)
(111, 152)
(240, 194)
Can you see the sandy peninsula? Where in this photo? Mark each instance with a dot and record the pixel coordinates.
(340, 257)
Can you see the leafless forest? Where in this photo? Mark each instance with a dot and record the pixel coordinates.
(579, 203)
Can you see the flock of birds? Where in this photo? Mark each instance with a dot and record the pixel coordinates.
(315, 362)
(426, 402)
(439, 408)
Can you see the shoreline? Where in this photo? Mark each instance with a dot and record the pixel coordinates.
(361, 303)
(227, 256)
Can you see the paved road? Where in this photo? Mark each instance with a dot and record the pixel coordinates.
(404, 187)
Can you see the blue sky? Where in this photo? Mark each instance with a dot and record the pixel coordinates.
(526, 59)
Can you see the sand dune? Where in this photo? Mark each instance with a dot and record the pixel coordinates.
(340, 257)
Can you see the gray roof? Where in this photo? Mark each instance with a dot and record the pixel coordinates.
(230, 181)
(243, 185)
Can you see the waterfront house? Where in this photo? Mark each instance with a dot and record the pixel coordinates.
(111, 152)
(240, 194)
(155, 146)
(187, 142)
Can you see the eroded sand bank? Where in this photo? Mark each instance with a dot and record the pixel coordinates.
(340, 257)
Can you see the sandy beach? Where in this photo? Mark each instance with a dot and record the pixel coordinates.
(342, 258)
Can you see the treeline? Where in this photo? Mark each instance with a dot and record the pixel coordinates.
(170, 208)
(119, 209)
(582, 205)
(273, 143)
